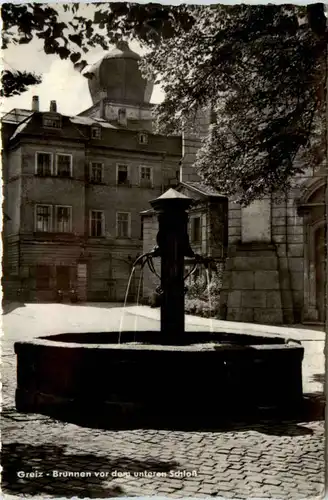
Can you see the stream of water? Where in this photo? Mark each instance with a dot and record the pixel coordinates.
(138, 297)
(209, 298)
(125, 301)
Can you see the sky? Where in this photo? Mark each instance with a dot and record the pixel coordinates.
(60, 81)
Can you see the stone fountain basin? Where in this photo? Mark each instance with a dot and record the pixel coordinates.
(146, 378)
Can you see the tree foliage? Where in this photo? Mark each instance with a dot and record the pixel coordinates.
(16, 82)
(77, 34)
(260, 69)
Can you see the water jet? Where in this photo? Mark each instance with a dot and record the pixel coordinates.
(166, 378)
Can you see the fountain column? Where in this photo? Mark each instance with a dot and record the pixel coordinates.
(173, 246)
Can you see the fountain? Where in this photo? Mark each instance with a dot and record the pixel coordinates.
(166, 378)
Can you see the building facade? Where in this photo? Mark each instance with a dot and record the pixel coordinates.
(74, 188)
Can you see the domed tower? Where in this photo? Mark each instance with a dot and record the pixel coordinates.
(119, 92)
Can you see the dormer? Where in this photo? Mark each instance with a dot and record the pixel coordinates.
(52, 119)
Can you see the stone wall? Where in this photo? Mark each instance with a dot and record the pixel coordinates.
(287, 235)
(256, 221)
(265, 259)
(251, 287)
(234, 223)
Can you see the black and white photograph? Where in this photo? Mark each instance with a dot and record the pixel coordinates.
(164, 250)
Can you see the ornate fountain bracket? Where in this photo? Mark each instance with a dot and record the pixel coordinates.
(198, 260)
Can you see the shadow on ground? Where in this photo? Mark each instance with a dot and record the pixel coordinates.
(98, 305)
(272, 422)
(46, 459)
(8, 307)
(314, 406)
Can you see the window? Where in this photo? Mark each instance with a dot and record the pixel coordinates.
(51, 121)
(123, 225)
(43, 164)
(122, 175)
(43, 218)
(64, 165)
(195, 230)
(145, 176)
(42, 275)
(96, 223)
(96, 132)
(96, 172)
(63, 219)
(143, 138)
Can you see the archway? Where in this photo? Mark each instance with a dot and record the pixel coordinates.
(315, 253)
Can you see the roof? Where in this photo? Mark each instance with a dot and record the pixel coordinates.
(202, 188)
(16, 115)
(150, 211)
(173, 194)
(21, 127)
(121, 51)
(85, 120)
(77, 128)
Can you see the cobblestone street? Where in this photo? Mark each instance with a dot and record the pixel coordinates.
(43, 457)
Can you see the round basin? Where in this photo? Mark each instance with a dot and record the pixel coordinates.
(147, 379)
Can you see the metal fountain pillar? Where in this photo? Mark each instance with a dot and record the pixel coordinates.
(172, 246)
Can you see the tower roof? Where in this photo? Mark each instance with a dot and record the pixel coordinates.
(122, 51)
(117, 77)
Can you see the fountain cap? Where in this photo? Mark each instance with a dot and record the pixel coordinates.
(171, 200)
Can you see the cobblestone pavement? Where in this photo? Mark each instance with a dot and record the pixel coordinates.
(277, 460)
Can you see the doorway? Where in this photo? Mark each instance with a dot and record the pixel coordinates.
(320, 264)
(63, 278)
